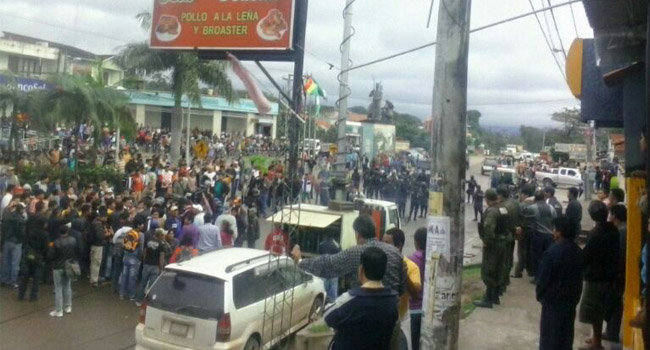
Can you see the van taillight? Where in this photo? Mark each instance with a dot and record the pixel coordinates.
(143, 311)
(223, 328)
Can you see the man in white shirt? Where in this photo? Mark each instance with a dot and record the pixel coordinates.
(209, 236)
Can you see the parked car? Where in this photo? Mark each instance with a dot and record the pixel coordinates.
(223, 299)
(488, 165)
(567, 177)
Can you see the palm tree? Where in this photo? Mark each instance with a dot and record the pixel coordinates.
(16, 105)
(188, 73)
(82, 99)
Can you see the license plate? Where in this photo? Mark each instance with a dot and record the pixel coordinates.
(178, 329)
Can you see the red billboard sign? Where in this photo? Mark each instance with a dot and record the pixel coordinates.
(222, 24)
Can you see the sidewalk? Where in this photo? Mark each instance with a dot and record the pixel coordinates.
(512, 325)
(515, 323)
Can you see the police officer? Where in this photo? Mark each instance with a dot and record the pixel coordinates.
(512, 221)
(492, 231)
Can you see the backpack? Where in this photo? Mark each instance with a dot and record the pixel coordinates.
(131, 240)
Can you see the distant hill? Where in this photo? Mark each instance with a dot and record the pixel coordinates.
(502, 129)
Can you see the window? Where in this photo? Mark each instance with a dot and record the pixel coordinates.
(188, 294)
(572, 173)
(25, 65)
(247, 289)
(293, 277)
(250, 287)
(393, 217)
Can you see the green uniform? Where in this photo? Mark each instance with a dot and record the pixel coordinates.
(495, 245)
(512, 221)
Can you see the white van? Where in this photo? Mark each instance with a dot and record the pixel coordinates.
(219, 300)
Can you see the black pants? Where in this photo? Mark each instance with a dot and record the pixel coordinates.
(414, 210)
(416, 322)
(478, 211)
(556, 327)
(614, 322)
(401, 208)
(33, 270)
(539, 242)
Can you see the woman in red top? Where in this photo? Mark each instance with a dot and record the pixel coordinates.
(226, 235)
(278, 241)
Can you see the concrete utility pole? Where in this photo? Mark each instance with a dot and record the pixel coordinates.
(187, 141)
(441, 316)
(344, 92)
(589, 185)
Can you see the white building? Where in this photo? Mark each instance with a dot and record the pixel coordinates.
(35, 58)
(154, 110)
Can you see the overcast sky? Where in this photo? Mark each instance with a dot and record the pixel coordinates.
(513, 78)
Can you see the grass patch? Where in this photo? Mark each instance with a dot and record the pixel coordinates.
(319, 328)
(473, 289)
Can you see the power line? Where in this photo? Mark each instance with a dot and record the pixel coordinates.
(557, 30)
(534, 12)
(331, 65)
(559, 66)
(59, 26)
(521, 102)
(548, 31)
(573, 17)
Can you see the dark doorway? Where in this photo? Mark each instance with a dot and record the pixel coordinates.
(166, 120)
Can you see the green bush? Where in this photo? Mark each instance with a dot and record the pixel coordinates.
(261, 162)
(85, 175)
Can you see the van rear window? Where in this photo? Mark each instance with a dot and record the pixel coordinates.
(188, 294)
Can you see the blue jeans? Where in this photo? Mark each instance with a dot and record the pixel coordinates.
(325, 196)
(416, 324)
(62, 290)
(332, 289)
(149, 275)
(11, 254)
(108, 260)
(116, 272)
(130, 268)
(264, 198)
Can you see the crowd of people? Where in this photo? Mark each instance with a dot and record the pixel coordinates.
(165, 214)
(168, 213)
(543, 235)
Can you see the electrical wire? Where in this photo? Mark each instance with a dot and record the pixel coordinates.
(345, 86)
(548, 30)
(331, 65)
(515, 103)
(534, 12)
(550, 47)
(557, 30)
(573, 17)
(59, 26)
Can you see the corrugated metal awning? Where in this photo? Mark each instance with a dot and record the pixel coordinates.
(303, 218)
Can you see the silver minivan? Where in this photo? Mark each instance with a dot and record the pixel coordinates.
(235, 298)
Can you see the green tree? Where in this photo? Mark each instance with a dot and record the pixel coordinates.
(473, 120)
(15, 103)
(188, 73)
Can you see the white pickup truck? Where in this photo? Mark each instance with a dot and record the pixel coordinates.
(567, 177)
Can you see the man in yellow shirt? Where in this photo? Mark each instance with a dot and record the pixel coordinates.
(396, 237)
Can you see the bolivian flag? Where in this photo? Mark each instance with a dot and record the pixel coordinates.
(312, 88)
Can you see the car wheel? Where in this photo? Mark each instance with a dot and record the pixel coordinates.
(252, 344)
(316, 309)
(547, 183)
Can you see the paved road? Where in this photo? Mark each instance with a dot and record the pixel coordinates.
(101, 321)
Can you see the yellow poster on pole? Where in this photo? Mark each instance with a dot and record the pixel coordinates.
(435, 203)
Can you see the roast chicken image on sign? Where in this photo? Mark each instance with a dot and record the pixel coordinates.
(273, 26)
